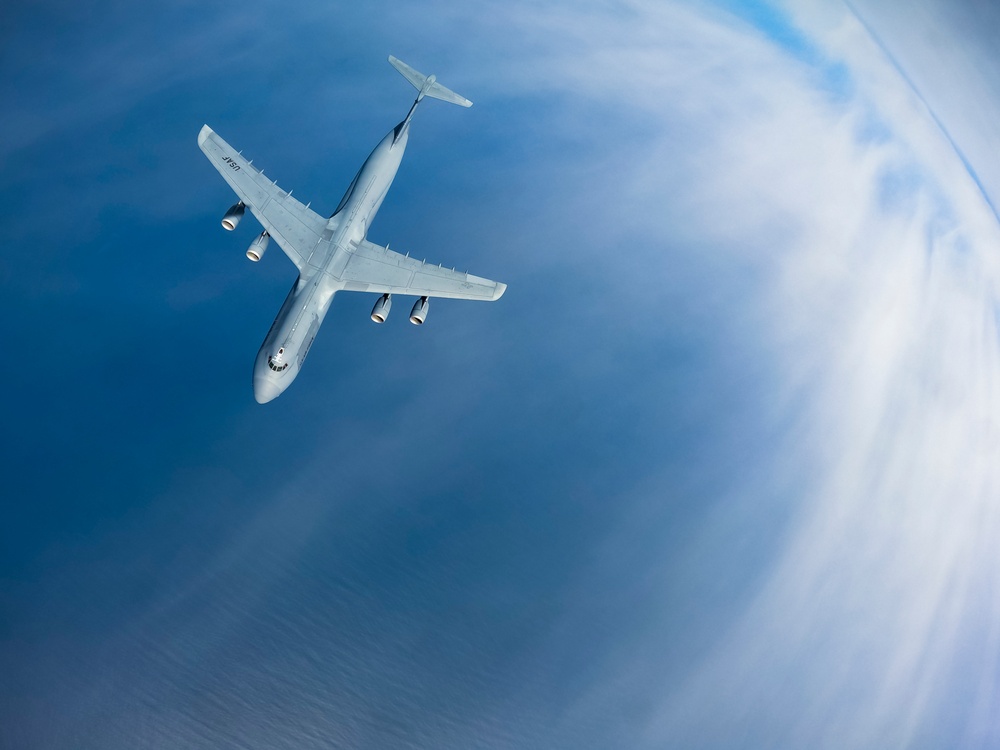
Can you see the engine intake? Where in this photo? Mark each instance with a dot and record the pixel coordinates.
(233, 216)
(381, 310)
(258, 247)
(419, 312)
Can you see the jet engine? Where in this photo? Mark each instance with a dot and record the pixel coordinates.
(381, 310)
(419, 312)
(233, 216)
(258, 247)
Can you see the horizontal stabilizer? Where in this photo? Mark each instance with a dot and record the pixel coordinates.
(428, 85)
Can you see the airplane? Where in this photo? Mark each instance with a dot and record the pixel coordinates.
(332, 254)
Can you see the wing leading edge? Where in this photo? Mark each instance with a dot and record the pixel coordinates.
(298, 230)
(295, 227)
(373, 268)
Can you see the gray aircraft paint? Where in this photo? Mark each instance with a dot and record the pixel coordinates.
(332, 254)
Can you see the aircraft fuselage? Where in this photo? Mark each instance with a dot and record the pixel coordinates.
(333, 254)
(294, 329)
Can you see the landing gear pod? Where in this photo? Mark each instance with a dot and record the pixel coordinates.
(258, 247)
(233, 216)
(419, 312)
(381, 310)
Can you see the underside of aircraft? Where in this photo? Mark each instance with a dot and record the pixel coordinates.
(332, 253)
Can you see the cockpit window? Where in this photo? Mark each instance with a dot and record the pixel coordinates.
(277, 366)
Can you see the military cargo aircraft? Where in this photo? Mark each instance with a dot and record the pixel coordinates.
(332, 253)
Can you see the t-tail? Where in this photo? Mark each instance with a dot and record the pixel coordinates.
(428, 85)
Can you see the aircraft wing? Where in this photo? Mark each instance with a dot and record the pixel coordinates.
(295, 228)
(373, 268)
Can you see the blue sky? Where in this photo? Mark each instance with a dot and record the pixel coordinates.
(717, 471)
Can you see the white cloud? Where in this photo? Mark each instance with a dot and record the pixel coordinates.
(861, 269)
(863, 630)
(869, 271)
(859, 272)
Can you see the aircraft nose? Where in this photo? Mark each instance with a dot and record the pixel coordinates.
(264, 390)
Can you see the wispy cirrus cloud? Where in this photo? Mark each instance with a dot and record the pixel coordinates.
(718, 472)
(874, 623)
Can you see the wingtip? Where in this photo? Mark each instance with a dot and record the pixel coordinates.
(204, 134)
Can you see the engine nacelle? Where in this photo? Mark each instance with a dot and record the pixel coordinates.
(381, 310)
(233, 216)
(258, 247)
(419, 312)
